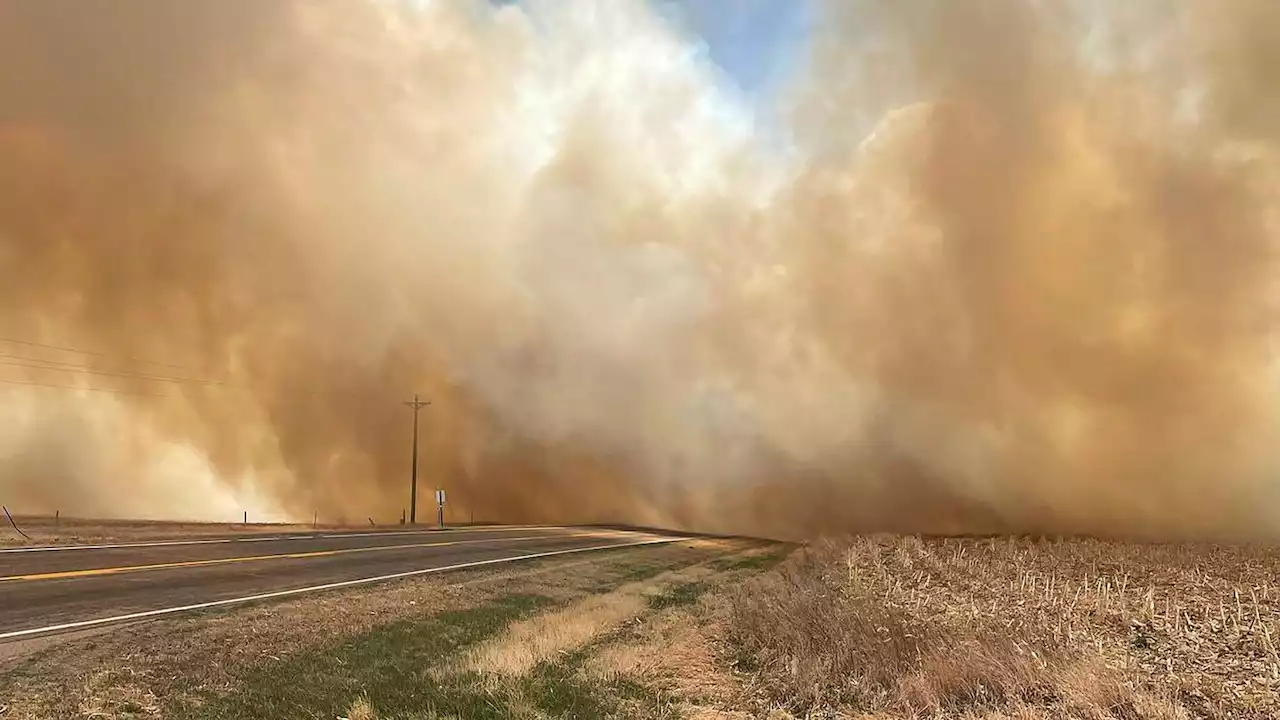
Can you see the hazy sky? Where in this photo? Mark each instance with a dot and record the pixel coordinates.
(1040, 300)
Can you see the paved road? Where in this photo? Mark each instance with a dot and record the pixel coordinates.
(47, 590)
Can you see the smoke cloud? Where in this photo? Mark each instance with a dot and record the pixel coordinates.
(984, 266)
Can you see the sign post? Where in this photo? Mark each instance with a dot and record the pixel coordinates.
(440, 498)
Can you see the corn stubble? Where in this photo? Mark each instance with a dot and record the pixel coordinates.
(1014, 627)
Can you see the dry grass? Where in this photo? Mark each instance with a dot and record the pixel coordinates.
(635, 649)
(527, 643)
(361, 709)
(1015, 628)
(48, 531)
(675, 652)
(544, 637)
(111, 693)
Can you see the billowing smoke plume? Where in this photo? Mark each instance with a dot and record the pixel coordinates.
(996, 264)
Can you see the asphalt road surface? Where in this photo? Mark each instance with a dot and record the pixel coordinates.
(58, 589)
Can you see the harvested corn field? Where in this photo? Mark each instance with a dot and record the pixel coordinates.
(871, 628)
(909, 627)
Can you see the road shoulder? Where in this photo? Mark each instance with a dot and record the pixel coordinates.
(219, 664)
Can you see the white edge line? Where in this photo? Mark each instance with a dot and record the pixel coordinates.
(315, 588)
(485, 528)
(273, 538)
(64, 548)
(183, 564)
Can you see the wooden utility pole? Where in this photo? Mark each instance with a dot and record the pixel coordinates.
(417, 405)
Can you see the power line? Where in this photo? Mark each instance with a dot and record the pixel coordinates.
(87, 389)
(57, 366)
(54, 362)
(77, 351)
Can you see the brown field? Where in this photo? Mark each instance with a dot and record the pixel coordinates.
(1019, 628)
(868, 628)
(45, 530)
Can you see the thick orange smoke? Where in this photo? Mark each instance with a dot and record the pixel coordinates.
(998, 264)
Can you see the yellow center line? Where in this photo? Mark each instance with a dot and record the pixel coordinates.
(285, 556)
